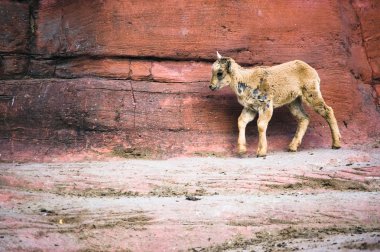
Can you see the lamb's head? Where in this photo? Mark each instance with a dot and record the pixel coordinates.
(221, 72)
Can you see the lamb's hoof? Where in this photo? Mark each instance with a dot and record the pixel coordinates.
(292, 149)
(261, 155)
(242, 151)
(335, 147)
(293, 146)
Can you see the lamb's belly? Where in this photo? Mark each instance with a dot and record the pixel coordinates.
(280, 100)
(280, 103)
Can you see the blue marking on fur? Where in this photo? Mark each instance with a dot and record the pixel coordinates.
(241, 87)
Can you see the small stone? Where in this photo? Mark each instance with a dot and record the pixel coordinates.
(192, 198)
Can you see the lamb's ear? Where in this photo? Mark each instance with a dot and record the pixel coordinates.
(229, 68)
(218, 56)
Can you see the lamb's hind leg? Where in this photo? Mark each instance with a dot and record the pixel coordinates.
(302, 118)
(315, 99)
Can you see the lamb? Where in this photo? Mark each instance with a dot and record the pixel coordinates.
(261, 89)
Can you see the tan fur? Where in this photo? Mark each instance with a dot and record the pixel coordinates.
(261, 89)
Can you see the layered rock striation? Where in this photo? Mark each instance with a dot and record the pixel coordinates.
(92, 76)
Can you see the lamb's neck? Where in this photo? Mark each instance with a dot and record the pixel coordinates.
(242, 75)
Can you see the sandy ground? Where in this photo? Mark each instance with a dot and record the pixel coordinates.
(319, 200)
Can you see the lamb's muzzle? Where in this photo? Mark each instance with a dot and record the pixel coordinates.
(213, 88)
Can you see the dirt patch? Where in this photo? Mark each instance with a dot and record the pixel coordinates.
(364, 246)
(82, 222)
(137, 222)
(176, 191)
(13, 181)
(66, 219)
(102, 192)
(209, 154)
(281, 221)
(167, 191)
(249, 222)
(328, 184)
(276, 239)
(243, 223)
(97, 249)
(131, 153)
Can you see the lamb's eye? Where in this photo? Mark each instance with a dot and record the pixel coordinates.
(219, 74)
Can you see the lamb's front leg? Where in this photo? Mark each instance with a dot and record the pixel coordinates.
(262, 123)
(245, 117)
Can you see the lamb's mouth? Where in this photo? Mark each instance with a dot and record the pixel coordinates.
(213, 88)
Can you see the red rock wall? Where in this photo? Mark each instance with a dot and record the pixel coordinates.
(92, 75)
(14, 39)
(369, 18)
